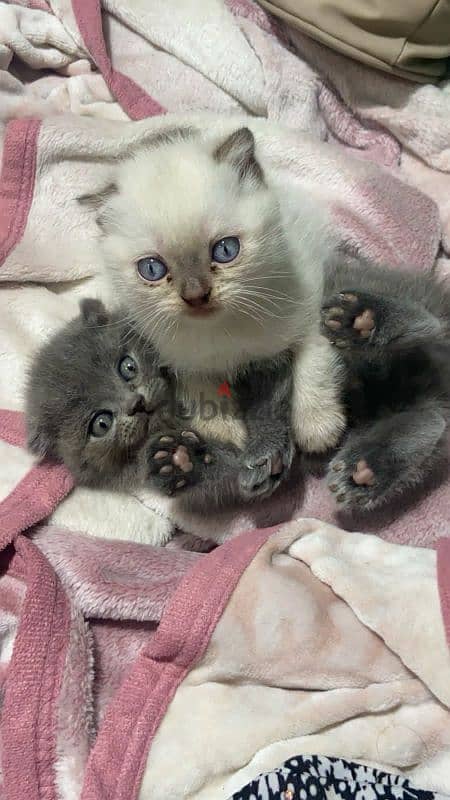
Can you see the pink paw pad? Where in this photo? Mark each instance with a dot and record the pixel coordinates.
(363, 475)
(182, 459)
(365, 323)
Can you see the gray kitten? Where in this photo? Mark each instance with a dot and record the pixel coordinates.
(98, 401)
(391, 329)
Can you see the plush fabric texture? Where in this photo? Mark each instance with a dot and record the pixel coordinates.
(118, 658)
(299, 639)
(375, 149)
(408, 38)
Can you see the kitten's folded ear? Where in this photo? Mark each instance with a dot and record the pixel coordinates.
(93, 311)
(39, 441)
(239, 151)
(98, 199)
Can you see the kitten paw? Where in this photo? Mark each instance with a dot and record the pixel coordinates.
(264, 470)
(347, 320)
(177, 461)
(354, 484)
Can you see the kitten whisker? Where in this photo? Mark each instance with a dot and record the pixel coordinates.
(240, 310)
(273, 301)
(273, 292)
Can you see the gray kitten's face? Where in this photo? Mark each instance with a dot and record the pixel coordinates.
(93, 395)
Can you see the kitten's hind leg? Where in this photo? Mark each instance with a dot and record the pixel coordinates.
(382, 462)
(368, 322)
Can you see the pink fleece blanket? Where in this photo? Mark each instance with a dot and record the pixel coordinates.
(375, 149)
(83, 654)
(111, 652)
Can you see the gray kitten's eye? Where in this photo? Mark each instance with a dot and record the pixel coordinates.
(127, 368)
(151, 269)
(101, 424)
(226, 249)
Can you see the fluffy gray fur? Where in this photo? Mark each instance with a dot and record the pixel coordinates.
(397, 379)
(391, 330)
(76, 376)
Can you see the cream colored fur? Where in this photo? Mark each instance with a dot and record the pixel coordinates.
(174, 201)
(200, 393)
(318, 419)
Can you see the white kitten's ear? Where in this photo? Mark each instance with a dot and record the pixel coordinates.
(239, 151)
(93, 311)
(98, 199)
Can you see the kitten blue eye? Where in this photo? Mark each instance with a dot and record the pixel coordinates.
(151, 269)
(101, 424)
(127, 368)
(226, 249)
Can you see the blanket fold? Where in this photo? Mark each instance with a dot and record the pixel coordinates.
(298, 637)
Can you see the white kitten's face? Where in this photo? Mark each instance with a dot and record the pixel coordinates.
(196, 248)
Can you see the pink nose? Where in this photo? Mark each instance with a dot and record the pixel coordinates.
(196, 298)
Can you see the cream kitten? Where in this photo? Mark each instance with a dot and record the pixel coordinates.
(220, 266)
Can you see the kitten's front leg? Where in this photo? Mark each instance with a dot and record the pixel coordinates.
(267, 460)
(179, 460)
(318, 418)
(264, 393)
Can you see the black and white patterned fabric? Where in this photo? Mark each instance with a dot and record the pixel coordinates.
(321, 778)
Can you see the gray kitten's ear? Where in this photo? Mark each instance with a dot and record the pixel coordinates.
(98, 199)
(93, 311)
(38, 442)
(239, 151)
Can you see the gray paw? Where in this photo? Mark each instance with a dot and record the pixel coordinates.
(348, 320)
(177, 461)
(263, 471)
(354, 484)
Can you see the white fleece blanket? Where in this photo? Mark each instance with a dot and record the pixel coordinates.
(332, 643)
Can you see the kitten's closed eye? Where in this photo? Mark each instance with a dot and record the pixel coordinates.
(101, 424)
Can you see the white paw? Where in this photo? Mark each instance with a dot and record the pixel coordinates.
(321, 429)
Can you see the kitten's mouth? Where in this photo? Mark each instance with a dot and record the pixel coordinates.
(201, 311)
